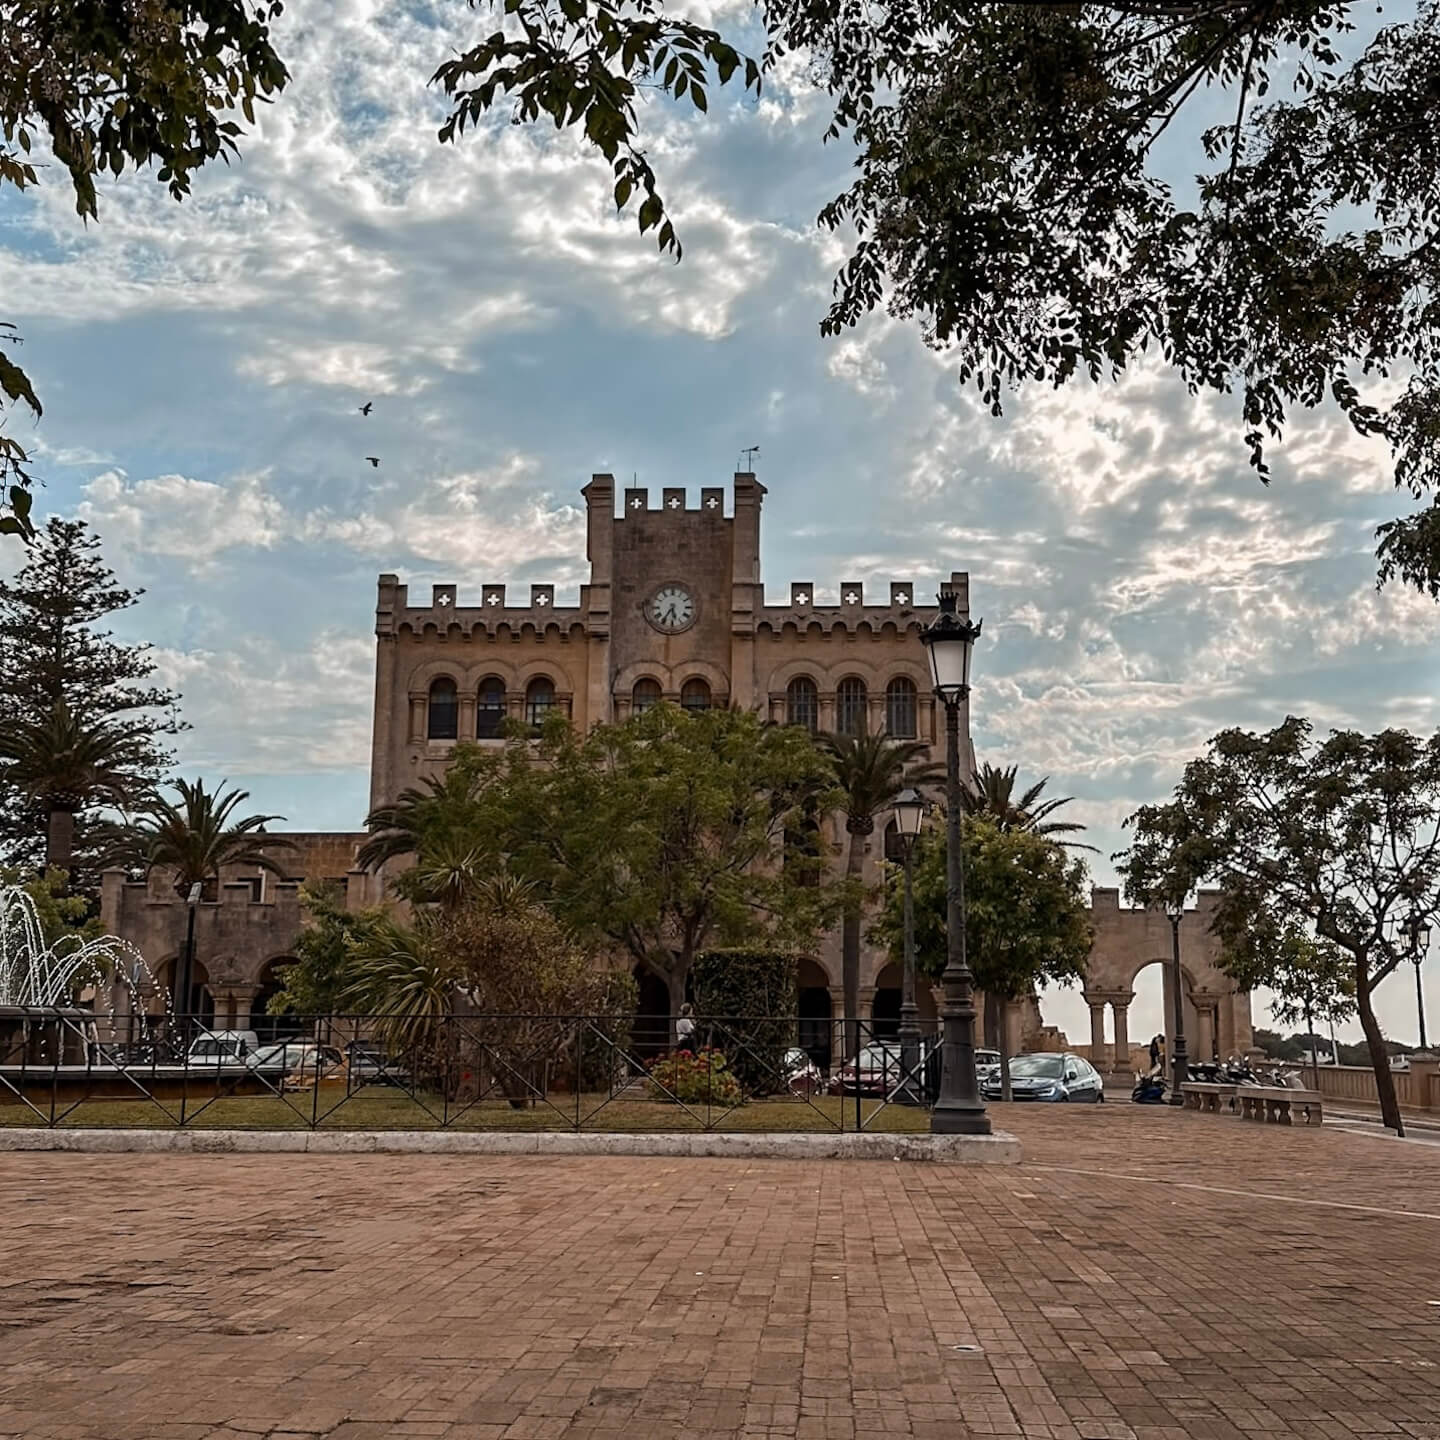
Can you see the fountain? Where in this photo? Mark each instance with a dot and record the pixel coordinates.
(39, 981)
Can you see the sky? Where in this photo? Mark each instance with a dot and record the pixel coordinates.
(201, 366)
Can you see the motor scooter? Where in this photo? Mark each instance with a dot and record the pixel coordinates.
(1149, 1089)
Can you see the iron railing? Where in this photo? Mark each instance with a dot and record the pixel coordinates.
(460, 1071)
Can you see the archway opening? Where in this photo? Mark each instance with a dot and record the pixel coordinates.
(814, 1012)
(199, 1005)
(885, 1008)
(1152, 1012)
(651, 1035)
(283, 1025)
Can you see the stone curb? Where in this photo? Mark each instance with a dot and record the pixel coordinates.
(997, 1149)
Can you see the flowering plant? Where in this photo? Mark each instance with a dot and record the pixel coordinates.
(694, 1077)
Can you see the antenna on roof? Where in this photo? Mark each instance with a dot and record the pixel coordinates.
(748, 462)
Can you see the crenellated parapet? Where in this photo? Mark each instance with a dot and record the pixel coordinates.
(497, 613)
(852, 610)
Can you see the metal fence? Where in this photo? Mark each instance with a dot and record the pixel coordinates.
(486, 1072)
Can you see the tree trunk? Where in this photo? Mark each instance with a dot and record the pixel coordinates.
(675, 983)
(850, 948)
(1003, 1044)
(1379, 1056)
(992, 1028)
(60, 841)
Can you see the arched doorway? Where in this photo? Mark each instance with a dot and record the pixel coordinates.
(200, 1005)
(651, 1035)
(1152, 1012)
(814, 1011)
(885, 1009)
(283, 1026)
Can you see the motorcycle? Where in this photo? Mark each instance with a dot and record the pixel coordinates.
(1149, 1090)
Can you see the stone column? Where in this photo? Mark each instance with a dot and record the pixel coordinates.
(1122, 1035)
(1098, 1057)
(417, 718)
(467, 716)
(242, 998)
(827, 711)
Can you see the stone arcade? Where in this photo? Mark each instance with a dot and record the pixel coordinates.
(674, 609)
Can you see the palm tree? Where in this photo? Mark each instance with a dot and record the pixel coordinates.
(871, 770)
(421, 816)
(197, 837)
(994, 795)
(64, 766)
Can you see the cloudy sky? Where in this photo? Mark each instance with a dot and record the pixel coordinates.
(201, 365)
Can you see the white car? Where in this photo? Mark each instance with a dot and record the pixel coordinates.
(987, 1063)
(223, 1047)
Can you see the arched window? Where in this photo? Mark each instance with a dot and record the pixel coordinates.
(645, 695)
(490, 709)
(695, 695)
(443, 722)
(539, 699)
(900, 708)
(802, 703)
(850, 702)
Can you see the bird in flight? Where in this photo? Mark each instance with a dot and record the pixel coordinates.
(367, 407)
(374, 460)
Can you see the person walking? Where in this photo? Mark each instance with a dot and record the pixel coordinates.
(1157, 1054)
(685, 1026)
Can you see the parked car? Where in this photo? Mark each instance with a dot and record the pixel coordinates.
(297, 1060)
(223, 1047)
(1053, 1077)
(802, 1075)
(877, 1071)
(369, 1065)
(987, 1062)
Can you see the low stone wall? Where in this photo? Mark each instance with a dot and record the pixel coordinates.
(1416, 1088)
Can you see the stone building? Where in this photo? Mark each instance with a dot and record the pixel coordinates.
(674, 608)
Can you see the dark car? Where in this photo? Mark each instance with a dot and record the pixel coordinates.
(1062, 1077)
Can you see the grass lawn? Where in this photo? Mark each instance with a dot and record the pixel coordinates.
(378, 1107)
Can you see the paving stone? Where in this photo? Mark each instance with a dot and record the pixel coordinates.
(1142, 1273)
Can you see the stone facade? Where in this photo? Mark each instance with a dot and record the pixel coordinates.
(448, 672)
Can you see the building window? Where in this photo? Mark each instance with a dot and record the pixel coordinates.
(695, 695)
(490, 709)
(539, 700)
(900, 708)
(443, 721)
(645, 695)
(894, 845)
(802, 703)
(850, 702)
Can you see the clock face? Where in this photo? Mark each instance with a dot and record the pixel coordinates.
(671, 608)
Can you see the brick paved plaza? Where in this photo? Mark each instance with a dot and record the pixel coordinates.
(195, 1298)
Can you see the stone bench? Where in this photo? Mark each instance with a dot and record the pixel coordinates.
(1279, 1105)
(1207, 1095)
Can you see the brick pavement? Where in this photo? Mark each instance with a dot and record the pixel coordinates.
(1114, 1284)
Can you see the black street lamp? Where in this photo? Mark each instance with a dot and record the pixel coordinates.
(909, 808)
(187, 970)
(959, 1110)
(1419, 935)
(1178, 1058)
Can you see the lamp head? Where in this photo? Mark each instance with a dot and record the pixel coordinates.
(950, 641)
(909, 806)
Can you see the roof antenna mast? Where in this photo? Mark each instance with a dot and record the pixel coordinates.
(748, 459)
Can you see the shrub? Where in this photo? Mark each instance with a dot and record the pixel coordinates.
(745, 999)
(694, 1077)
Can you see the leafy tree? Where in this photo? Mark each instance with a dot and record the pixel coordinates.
(1027, 913)
(1339, 837)
(62, 916)
(657, 838)
(194, 838)
(1008, 194)
(64, 766)
(324, 953)
(870, 770)
(1312, 977)
(54, 653)
(111, 83)
(993, 796)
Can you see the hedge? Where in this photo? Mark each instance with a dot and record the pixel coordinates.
(745, 1002)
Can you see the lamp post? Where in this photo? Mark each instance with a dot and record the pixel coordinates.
(909, 808)
(1175, 910)
(1419, 935)
(958, 1111)
(187, 969)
